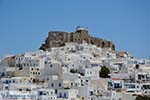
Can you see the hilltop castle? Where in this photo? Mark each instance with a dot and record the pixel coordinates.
(59, 38)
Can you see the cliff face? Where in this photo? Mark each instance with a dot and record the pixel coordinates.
(58, 38)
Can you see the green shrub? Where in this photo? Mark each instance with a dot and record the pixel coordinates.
(104, 72)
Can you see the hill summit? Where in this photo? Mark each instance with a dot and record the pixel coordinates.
(81, 34)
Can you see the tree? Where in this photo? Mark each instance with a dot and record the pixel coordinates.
(104, 72)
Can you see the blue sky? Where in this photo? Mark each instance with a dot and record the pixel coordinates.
(24, 24)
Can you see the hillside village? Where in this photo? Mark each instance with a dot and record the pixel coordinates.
(71, 70)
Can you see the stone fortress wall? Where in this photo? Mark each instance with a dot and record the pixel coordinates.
(59, 38)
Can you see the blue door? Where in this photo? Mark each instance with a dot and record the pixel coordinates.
(65, 95)
(60, 95)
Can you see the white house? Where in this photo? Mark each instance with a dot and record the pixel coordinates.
(47, 94)
(52, 68)
(67, 93)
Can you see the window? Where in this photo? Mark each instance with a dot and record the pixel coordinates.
(117, 85)
(51, 65)
(13, 81)
(6, 87)
(27, 89)
(91, 92)
(71, 84)
(59, 84)
(76, 84)
(40, 93)
(7, 82)
(52, 84)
